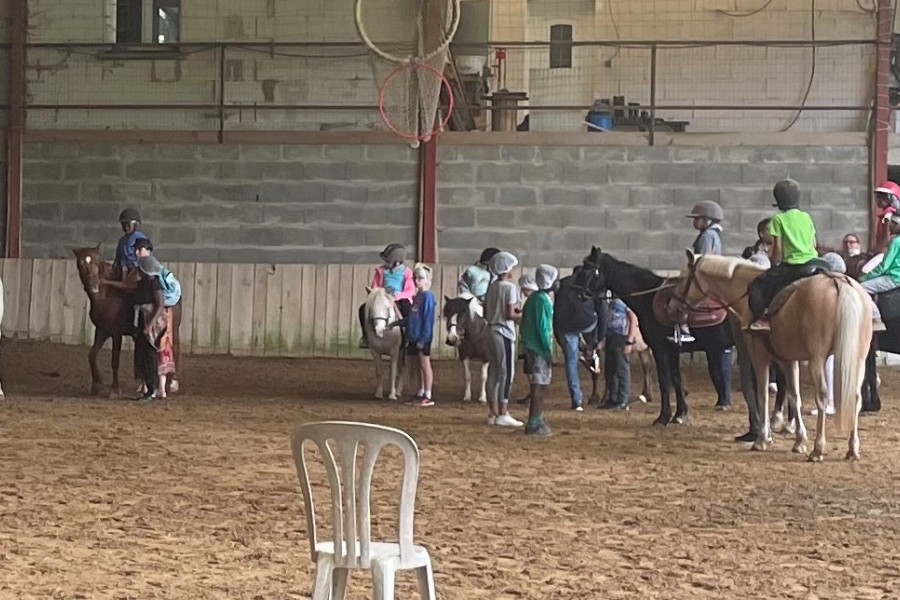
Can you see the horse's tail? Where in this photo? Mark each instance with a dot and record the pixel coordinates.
(849, 355)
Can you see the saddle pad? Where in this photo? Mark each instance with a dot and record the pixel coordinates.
(709, 312)
(889, 304)
(783, 296)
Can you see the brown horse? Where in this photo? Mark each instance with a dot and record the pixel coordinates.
(112, 313)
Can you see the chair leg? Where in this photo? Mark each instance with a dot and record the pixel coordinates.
(383, 581)
(425, 576)
(339, 583)
(324, 574)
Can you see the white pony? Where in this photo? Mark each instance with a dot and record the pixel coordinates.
(381, 311)
(465, 331)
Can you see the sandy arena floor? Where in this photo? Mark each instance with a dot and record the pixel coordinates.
(199, 498)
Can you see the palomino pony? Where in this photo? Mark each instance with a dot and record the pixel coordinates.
(465, 332)
(383, 340)
(819, 315)
(637, 287)
(112, 313)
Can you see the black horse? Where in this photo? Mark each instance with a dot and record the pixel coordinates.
(885, 341)
(637, 287)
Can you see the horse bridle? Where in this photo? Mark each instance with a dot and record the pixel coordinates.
(595, 272)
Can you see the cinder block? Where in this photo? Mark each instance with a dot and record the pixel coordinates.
(342, 237)
(394, 152)
(393, 193)
(49, 191)
(289, 214)
(456, 172)
(613, 241)
(327, 171)
(260, 152)
(456, 216)
(490, 218)
(747, 220)
(543, 173)
(611, 196)
(73, 212)
(348, 153)
(628, 173)
(687, 198)
(471, 240)
(518, 196)
(499, 172)
(649, 154)
(655, 240)
(44, 150)
(562, 154)
(42, 170)
(562, 196)
(144, 170)
(586, 217)
(671, 219)
(302, 153)
(763, 174)
(93, 169)
(839, 198)
(785, 154)
(177, 151)
(345, 193)
(628, 219)
(854, 175)
(229, 192)
(383, 236)
(478, 154)
(218, 152)
(446, 153)
(604, 154)
(737, 154)
(750, 197)
(692, 154)
(849, 221)
(644, 196)
(400, 171)
(681, 174)
(176, 192)
(467, 195)
(138, 151)
(812, 174)
(717, 174)
(47, 212)
(523, 154)
(367, 171)
(98, 151)
(594, 174)
(178, 234)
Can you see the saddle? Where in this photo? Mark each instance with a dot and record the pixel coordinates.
(889, 304)
(784, 295)
(708, 313)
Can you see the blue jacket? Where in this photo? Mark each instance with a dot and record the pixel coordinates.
(125, 254)
(421, 319)
(171, 287)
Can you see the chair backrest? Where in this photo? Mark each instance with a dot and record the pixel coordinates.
(351, 490)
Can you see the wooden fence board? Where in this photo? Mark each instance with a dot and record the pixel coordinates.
(75, 306)
(17, 276)
(274, 343)
(346, 312)
(41, 292)
(361, 278)
(296, 341)
(55, 320)
(222, 319)
(186, 274)
(261, 276)
(204, 314)
(241, 322)
(317, 316)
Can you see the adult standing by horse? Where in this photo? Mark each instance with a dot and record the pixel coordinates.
(577, 313)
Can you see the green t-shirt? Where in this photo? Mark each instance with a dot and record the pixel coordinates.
(537, 324)
(798, 236)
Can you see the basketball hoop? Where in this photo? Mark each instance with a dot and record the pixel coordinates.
(408, 101)
(407, 31)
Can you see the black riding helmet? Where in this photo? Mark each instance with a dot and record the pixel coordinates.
(787, 194)
(487, 255)
(128, 215)
(142, 243)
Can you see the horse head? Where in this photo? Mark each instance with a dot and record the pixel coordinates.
(380, 310)
(458, 312)
(90, 267)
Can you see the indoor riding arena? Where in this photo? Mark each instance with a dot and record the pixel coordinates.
(275, 152)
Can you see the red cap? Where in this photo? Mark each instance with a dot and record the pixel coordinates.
(888, 187)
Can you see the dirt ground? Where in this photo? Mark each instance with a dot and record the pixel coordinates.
(198, 498)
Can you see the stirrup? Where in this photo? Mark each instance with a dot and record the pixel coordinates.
(760, 324)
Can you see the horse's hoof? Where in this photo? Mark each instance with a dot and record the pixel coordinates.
(661, 421)
(759, 446)
(816, 456)
(115, 394)
(173, 386)
(799, 449)
(379, 395)
(482, 400)
(467, 398)
(642, 398)
(679, 419)
(851, 456)
(392, 397)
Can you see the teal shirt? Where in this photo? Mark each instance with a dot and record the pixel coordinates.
(537, 324)
(890, 265)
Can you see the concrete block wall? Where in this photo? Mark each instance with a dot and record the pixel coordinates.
(226, 203)
(551, 203)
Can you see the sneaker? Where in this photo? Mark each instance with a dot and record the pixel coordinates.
(423, 401)
(878, 325)
(491, 420)
(147, 398)
(723, 406)
(746, 438)
(363, 342)
(507, 420)
(761, 324)
(578, 408)
(539, 430)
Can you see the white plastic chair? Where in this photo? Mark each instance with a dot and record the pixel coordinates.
(352, 546)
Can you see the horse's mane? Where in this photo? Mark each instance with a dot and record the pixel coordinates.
(617, 269)
(728, 267)
(378, 292)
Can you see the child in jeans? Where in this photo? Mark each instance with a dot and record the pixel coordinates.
(501, 311)
(537, 340)
(618, 345)
(420, 332)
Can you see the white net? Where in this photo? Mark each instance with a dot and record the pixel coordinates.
(416, 33)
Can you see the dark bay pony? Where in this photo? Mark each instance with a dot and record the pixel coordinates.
(112, 313)
(600, 272)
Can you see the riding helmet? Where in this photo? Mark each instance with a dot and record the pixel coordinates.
(393, 253)
(128, 215)
(707, 210)
(787, 194)
(487, 255)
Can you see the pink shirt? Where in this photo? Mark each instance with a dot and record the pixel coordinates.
(409, 288)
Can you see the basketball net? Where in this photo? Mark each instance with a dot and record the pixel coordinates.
(409, 43)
